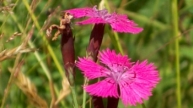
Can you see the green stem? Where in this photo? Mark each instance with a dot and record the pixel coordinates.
(37, 55)
(32, 46)
(84, 93)
(51, 52)
(44, 67)
(143, 105)
(7, 90)
(118, 44)
(115, 37)
(74, 96)
(177, 64)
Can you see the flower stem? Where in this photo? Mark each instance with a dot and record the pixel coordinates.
(68, 57)
(41, 33)
(175, 34)
(143, 105)
(112, 102)
(117, 42)
(95, 41)
(115, 37)
(74, 96)
(6, 91)
(84, 93)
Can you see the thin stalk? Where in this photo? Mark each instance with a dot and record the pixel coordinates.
(74, 96)
(44, 67)
(10, 80)
(50, 49)
(7, 90)
(51, 52)
(93, 48)
(143, 105)
(32, 45)
(177, 62)
(118, 43)
(113, 102)
(84, 93)
(115, 37)
(68, 57)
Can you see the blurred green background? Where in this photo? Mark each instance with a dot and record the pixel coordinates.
(155, 43)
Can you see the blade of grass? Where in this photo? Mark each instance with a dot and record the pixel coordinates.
(44, 39)
(44, 67)
(174, 9)
(49, 49)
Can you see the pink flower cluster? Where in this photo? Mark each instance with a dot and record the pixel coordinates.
(132, 82)
(119, 23)
(120, 78)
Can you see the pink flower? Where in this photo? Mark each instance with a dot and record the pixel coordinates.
(120, 78)
(119, 23)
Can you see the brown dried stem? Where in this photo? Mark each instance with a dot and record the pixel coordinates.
(64, 92)
(7, 54)
(28, 88)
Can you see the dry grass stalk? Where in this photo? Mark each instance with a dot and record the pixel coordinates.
(29, 89)
(1, 35)
(52, 14)
(6, 54)
(6, 9)
(13, 36)
(65, 90)
(53, 94)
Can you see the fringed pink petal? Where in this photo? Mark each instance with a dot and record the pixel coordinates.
(90, 69)
(124, 27)
(146, 73)
(91, 21)
(128, 94)
(135, 80)
(104, 88)
(110, 58)
(120, 23)
(140, 85)
(81, 12)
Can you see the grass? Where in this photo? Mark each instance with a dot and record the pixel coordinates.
(31, 67)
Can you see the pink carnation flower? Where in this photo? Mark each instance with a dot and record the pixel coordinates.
(119, 23)
(120, 78)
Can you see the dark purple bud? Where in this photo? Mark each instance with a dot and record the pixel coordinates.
(67, 49)
(95, 41)
(92, 53)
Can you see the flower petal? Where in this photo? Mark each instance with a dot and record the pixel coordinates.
(90, 69)
(128, 94)
(104, 88)
(146, 73)
(140, 86)
(91, 21)
(110, 58)
(120, 23)
(81, 12)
